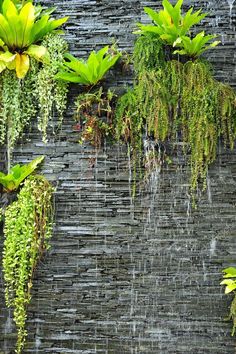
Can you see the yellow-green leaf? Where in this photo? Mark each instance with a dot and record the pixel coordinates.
(36, 51)
(27, 18)
(22, 65)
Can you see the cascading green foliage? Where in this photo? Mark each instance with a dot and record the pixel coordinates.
(148, 52)
(27, 230)
(38, 93)
(95, 116)
(51, 93)
(17, 104)
(179, 98)
(176, 98)
(94, 106)
(230, 283)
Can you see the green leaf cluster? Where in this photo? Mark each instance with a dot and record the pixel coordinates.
(179, 100)
(197, 45)
(27, 231)
(38, 94)
(51, 93)
(88, 72)
(21, 28)
(95, 116)
(18, 174)
(173, 28)
(230, 282)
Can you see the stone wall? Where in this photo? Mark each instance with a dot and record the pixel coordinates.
(130, 276)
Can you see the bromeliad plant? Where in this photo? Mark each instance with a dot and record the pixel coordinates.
(18, 174)
(170, 24)
(92, 71)
(176, 98)
(196, 46)
(230, 282)
(21, 29)
(173, 29)
(27, 231)
(31, 52)
(96, 103)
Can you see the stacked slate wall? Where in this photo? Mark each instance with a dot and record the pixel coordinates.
(130, 276)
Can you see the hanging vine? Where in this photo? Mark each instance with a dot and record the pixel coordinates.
(27, 231)
(175, 96)
(51, 93)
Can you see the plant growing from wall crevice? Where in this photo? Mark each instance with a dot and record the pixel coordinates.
(27, 230)
(175, 97)
(95, 105)
(30, 58)
(230, 282)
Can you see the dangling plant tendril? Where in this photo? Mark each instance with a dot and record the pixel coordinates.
(51, 93)
(27, 230)
(38, 91)
(171, 99)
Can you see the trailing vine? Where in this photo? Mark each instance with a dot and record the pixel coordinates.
(95, 116)
(38, 93)
(27, 230)
(51, 93)
(175, 98)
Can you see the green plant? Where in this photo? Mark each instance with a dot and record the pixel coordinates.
(95, 116)
(196, 46)
(175, 98)
(37, 94)
(92, 71)
(148, 53)
(27, 231)
(230, 282)
(179, 100)
(169, 23)
(18, 174)
(20, 31)
(51, 93)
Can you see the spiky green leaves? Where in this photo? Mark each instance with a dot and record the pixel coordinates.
(169, 23)
(18, 174)
(20, 29)
(196, 46)
(173, 28)
(88, 72)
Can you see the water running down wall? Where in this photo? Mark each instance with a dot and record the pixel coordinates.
(127, 276)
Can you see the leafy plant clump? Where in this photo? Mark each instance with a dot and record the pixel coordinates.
(175, 98)
(21, 29)
(27, 231)
(94, 112)
(92, 71)
(51, 93)
(37, 94)
(230, 282)
(95, 116)
(173, 28)
(18, 174)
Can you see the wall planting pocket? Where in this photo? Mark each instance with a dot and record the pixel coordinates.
(30, 54)
(95, 102)
(175, 96)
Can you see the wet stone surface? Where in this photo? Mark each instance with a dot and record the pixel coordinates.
(130, 276)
